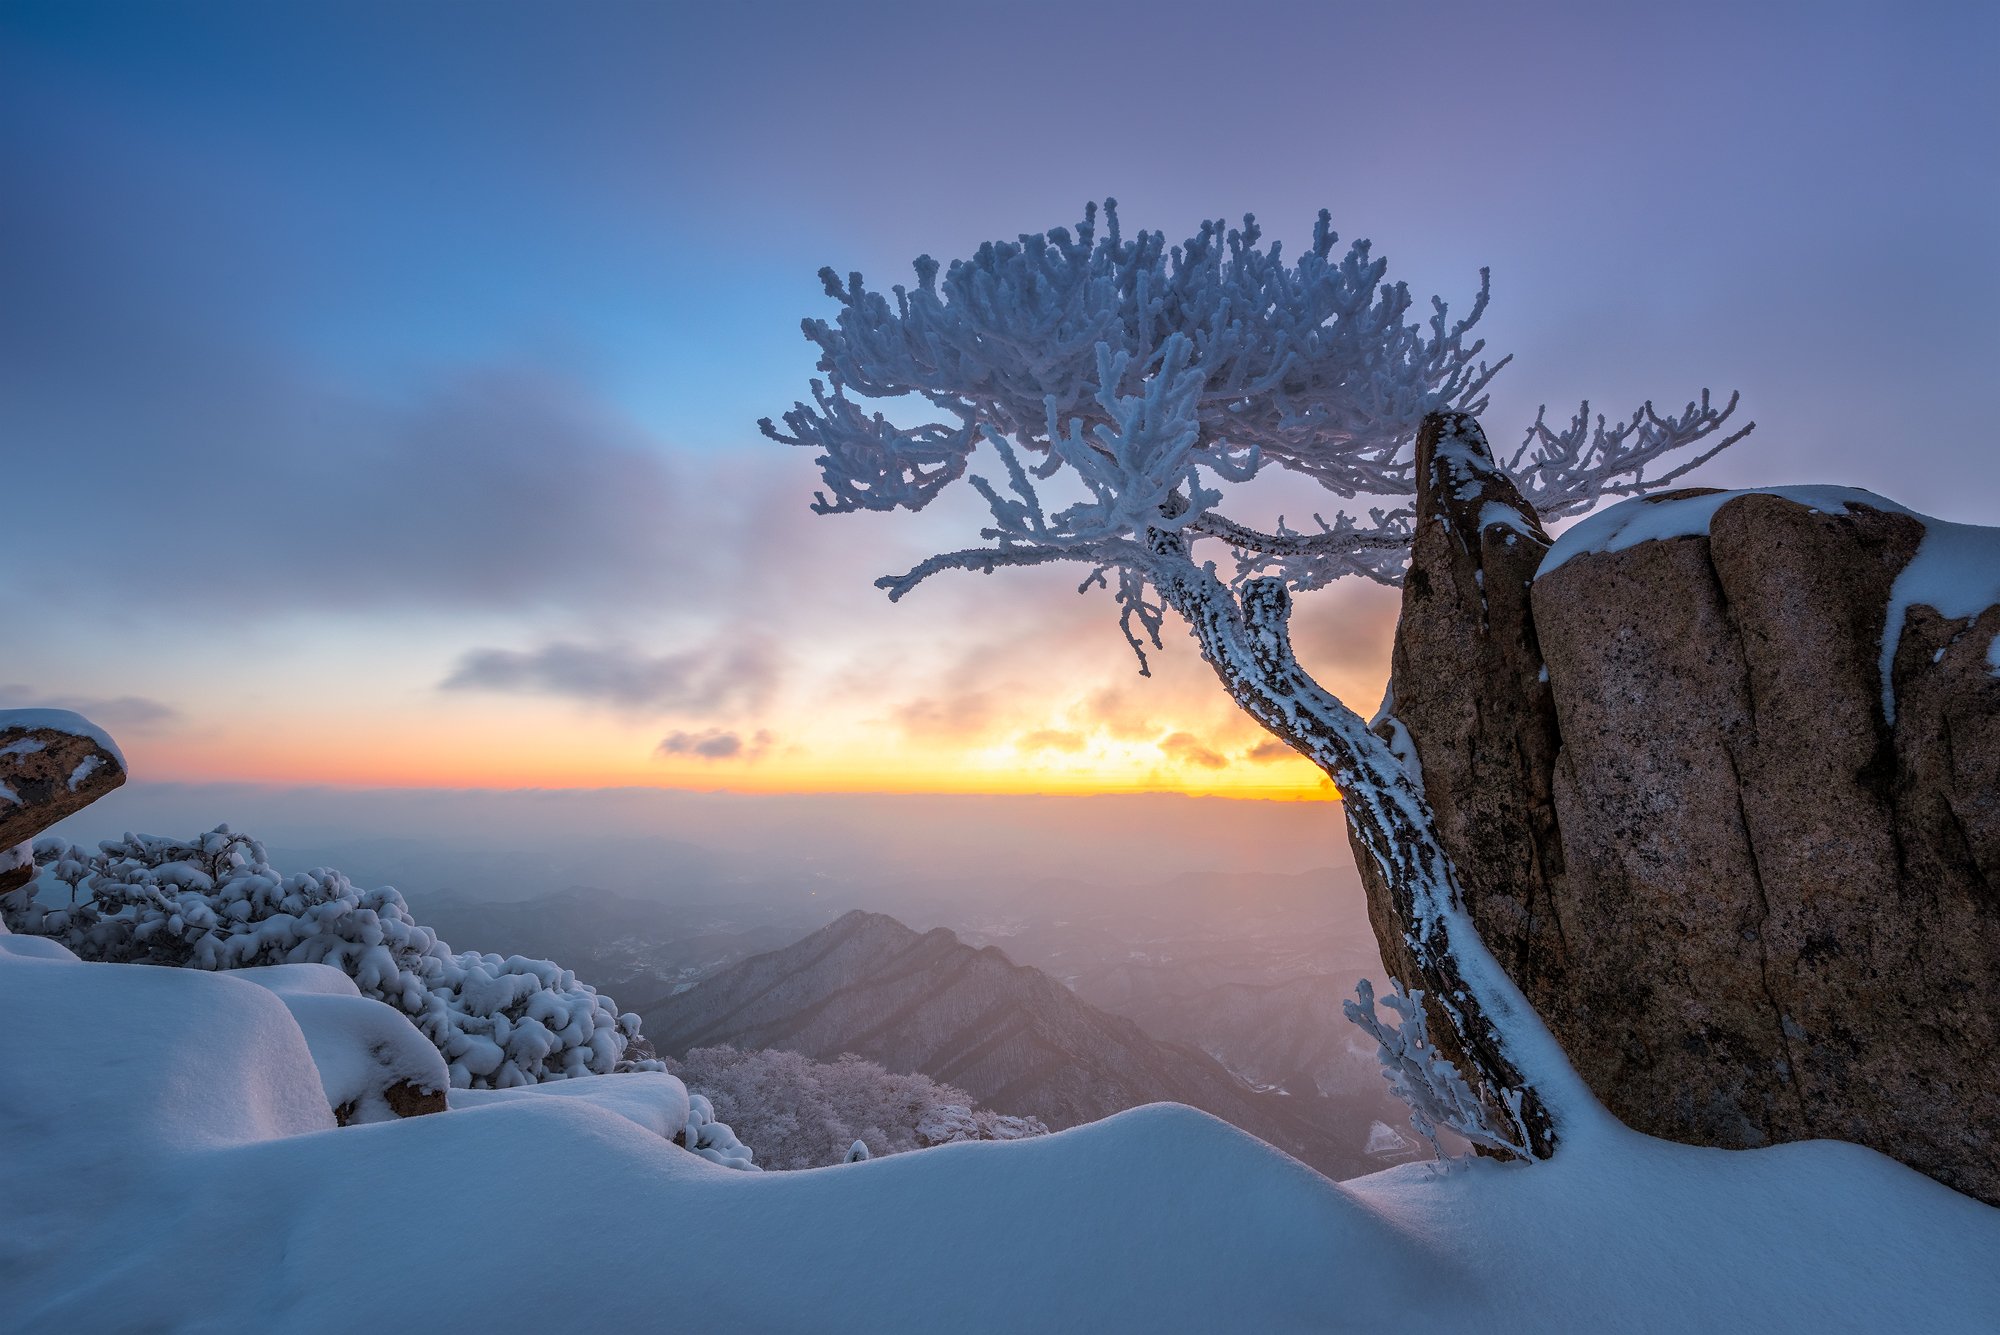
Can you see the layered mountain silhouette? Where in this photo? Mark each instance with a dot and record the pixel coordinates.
(1011, 1036)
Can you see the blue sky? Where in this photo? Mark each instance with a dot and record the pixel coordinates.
(343, 342)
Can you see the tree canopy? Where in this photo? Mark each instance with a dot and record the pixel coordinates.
(1151, 378)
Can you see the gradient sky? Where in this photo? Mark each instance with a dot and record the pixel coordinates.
(378, 383)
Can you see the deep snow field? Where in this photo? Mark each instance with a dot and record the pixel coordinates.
(170, 1163)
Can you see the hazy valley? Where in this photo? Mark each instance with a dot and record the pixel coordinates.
(1222, 992)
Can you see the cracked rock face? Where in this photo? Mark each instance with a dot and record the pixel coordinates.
(1751, 909)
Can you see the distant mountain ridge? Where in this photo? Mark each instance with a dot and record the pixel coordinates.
(1010, 1035)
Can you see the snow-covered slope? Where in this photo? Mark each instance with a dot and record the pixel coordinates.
(169, 1164)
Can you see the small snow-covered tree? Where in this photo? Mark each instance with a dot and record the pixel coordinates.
(1148, 380)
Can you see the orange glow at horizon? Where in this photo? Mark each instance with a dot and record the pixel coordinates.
(995, 714)
(539, 772)
(462, 754)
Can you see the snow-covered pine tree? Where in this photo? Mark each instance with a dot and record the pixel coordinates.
(1148, 380)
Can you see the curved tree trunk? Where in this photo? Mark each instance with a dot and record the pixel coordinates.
(1506, 1053)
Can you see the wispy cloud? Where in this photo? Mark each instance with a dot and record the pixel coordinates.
(138, 713)
(721, 676)
(1189, 749)
(715, 744)
(960, 716)
(1119, 715)
(503, 488)
(1269, 752)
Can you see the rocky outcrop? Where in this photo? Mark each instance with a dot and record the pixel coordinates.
(404, 1098)
(1487, 754)
(1755, 895)
(1011, 1036)
(52, 764)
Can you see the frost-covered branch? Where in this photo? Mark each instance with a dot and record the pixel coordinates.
(1424, 1078)
(1317, 364)
(868, 463)
(1139, 465)
(1378, 551)
(1133, 370)
(1139, 460)
(983, 560)
(1566, 472)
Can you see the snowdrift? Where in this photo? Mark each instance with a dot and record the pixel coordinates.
(170, 1163)
(363, 1048)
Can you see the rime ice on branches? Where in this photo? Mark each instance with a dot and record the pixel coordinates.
(1147, 381)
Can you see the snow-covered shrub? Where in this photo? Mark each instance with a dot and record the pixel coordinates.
(802, 1113)
(1423, 1077)
(373, 1063)
(216, 903)
(945, 1123)
(714, 1140)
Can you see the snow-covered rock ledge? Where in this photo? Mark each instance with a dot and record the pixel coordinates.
(52, 764)
(1955, 570)
(133, 1096)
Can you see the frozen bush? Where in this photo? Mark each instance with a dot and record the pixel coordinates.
(216, 903)
(714, 1140)
(802, 1113)
(949, 1122)
(1437, 1093)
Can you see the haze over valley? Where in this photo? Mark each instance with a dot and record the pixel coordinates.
(650, 894)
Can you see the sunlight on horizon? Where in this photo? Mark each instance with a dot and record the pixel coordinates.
(513, 757)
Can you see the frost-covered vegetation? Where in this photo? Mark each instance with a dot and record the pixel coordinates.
(1124, 391)
(714, 1139)
(1434, 1089)
(802, 1113)
(215, 902)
